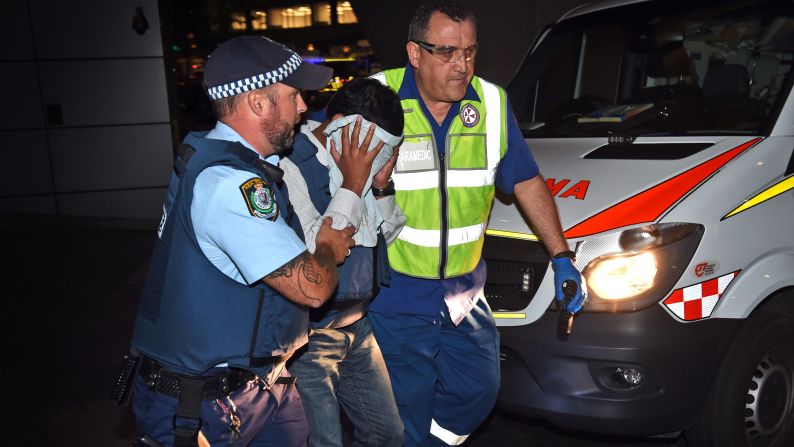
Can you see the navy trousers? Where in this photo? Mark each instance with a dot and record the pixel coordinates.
(272, 417)
(445, 377)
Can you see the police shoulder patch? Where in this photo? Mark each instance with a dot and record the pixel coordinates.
(259, 198)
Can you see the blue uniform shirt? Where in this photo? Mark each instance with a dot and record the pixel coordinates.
(417, 296)
(229, 236)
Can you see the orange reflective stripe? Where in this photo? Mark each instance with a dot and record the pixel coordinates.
(648, 205)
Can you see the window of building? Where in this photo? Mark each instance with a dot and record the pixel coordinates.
(345, 14)
(321, 13)
(237, 21)
(259, 20)
(299, 16)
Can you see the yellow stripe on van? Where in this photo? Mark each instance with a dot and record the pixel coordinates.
(512, 234)
(509, 316)
(773, 191)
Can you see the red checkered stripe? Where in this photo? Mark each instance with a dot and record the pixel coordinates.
(697, 301)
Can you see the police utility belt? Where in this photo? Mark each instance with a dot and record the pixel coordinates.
(190, 390)
(211, 387)
(214, 387)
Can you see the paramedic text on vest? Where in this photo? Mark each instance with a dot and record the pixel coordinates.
(433, 324)
(230, 281)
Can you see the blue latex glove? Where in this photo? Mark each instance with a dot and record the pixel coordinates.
(564, 270)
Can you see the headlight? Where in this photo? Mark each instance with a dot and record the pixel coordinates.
(619, 277)
(635, 268)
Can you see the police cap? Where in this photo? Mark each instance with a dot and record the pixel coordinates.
(246, 63)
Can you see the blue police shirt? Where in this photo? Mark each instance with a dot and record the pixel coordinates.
(417, 296)
(244, 247)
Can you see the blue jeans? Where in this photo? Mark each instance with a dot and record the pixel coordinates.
(344, 367)
(272, 418)
(445, 377)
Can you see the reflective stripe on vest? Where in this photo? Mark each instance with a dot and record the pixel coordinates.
(474, 145)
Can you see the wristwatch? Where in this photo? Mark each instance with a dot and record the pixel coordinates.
(387, 191)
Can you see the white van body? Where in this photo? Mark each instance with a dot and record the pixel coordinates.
(682, 218)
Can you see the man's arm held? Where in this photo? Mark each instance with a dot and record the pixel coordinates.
(308, 279)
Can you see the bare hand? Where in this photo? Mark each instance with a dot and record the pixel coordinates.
(355, 162)
(339, 242)
(381, 179)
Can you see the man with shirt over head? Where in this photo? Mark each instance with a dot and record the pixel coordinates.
(461, 141)
(230, 282)
(342, 365)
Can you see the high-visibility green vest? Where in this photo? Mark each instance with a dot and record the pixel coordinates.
(446, 199)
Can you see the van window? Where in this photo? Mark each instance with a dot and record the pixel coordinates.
(662, 68)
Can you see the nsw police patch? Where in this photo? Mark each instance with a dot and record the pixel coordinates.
(469, 115)
(260, 199)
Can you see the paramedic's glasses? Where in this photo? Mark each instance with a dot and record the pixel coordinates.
(449, 54)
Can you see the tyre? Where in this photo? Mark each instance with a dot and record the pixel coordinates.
(750, 403)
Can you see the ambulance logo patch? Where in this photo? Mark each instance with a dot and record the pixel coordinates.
(260, 199)
(469, 115)
(697, 301)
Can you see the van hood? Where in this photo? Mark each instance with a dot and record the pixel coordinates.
(600, 187)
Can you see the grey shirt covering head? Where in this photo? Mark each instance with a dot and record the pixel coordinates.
(366, 214)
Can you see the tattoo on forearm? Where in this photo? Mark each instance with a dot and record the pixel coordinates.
(309, 279)
(285, 270)
(317, 272)
(312, 273)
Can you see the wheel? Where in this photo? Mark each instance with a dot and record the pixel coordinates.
(750, 403)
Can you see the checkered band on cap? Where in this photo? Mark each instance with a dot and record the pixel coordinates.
(256, 81)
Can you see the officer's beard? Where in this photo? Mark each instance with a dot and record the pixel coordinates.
(280, 134)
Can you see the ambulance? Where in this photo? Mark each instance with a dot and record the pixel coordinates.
(665, 132)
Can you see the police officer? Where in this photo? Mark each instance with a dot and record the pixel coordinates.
(461, 141)
(230, 281)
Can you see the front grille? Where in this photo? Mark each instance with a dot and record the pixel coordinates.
(509, 262)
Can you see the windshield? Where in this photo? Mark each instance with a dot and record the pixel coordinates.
(663, 68)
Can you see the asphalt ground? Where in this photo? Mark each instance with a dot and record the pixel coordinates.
(71, 289)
